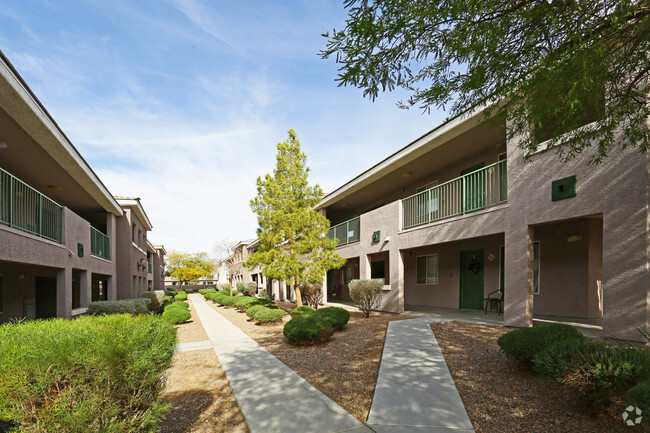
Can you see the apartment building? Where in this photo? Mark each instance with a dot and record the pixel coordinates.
(60, 227)
(458, 214)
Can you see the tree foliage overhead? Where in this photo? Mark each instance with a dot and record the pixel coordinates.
(551, 64)
(188, 266)
(292, 241)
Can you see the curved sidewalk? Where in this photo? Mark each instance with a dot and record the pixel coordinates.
(270, 395)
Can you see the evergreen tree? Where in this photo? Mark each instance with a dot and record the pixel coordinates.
(293, 244)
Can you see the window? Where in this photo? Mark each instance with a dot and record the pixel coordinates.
(536, 262)
(133, 234)
(378, 270)
(427, 269)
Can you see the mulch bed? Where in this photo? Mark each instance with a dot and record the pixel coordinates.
(503, 396)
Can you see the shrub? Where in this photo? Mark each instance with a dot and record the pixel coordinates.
(250, 303)
(639, 396)
(171, 293)
(268, 315)
(556, 360)
(241, 300)
(247, 288)
(225, 287)
(177, 303)
(227, 300)
(176, 315)
(250, 312)
(367, 294)
(266, 297)
(206, 291)
(168, 299)
(524, 343)
(157, 298)
(307, 328)
(337, 317)
(219, 298)
(181, 296)
(303, 309)
(124, 306)
(312, 294)
(91, 374)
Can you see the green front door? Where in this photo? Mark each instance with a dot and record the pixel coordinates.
(471, 279)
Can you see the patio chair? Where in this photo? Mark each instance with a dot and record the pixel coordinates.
(494, 301)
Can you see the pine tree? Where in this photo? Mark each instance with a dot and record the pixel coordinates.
(293, 245)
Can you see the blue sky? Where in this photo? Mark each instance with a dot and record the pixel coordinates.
(182, 102)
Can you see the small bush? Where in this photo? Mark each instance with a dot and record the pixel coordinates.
(181, 296)
(558, 359)
(639, 396)
(227, 300)
(206, 291)
(171, 293)
(268, 315)
(225, 287)
(303, 309)
(312, 294)
(176, 315)
(250, 312)
(157, 298)
(367, 294)
(337, 317)
(168, 299)
(124, 306)
(247, 288)
(241, 300)
(308, 328)
(183, 303)
(250, 303)
(91, 374)
(266, 297)
(524, 343)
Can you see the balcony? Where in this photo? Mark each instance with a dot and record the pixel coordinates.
(347, 232)
(468, 193)
(24, 208)
(100, 244)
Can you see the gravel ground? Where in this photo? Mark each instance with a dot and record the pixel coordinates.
(504, 396)
(201, 397)
(345, 368)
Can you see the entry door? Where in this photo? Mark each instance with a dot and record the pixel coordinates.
(473, 188)
(471, 279)
(45, 297)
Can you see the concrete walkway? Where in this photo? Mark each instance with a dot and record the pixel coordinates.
(270, 395)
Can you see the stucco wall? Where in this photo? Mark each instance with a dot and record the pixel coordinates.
(131, 281)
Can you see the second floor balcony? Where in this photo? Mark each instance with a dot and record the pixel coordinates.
(24, 208)
(100, 244)
(468, 193)
(346, 232)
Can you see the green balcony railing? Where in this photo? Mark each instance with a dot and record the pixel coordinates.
(100, 244)
(346, 232)
(468, 193)
(26, 209)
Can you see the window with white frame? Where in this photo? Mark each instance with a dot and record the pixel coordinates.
(536, 262)
(427, 269)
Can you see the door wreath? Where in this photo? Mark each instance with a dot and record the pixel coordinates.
(474, 266)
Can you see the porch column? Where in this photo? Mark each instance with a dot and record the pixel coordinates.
(111, 287)
(518, 299)
(364, 266)
(393, 299)
(64, 293)
(324, 289)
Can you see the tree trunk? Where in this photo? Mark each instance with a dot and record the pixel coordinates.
(296, 289)
(180, 284)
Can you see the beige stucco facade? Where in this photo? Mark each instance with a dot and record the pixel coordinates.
(588, 254)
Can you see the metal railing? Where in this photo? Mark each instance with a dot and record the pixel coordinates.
(468, 193)
(346, 232)
(100, 244)
(26, 209)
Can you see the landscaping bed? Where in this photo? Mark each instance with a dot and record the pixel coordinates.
(345, 368)
(502, 395)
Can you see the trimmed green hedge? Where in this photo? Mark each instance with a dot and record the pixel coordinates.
(92, 374)
(124, 306)
(303, 309)
(206, 291)
(524, 343)
(177, 312)
(336, 316)
(241, 300)
(269, 315)
(227, 300)
(250, 312)
(308, 328)
(181, 296)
